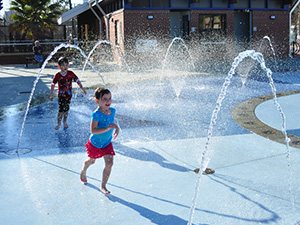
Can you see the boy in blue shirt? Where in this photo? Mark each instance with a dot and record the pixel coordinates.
(103, 130)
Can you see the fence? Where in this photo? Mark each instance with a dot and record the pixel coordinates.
(17, 52)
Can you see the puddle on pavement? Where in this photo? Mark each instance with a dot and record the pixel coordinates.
(13, 110)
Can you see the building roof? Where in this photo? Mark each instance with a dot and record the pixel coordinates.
(86, 5)
(72, 13)
(77, 10)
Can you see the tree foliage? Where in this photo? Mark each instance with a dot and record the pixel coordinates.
(295, 13)
(34, 18)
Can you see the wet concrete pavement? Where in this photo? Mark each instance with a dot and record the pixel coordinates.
(160, 144)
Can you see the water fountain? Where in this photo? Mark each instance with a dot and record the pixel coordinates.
(244, 68)
(37, 79)
(206, 155)
(178, 42)
(248, 64)
(177, 64)
(166, 118)
(271, 47)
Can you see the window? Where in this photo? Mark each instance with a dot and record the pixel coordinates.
(180, 3)
(220, 4)
(212, 28)
(117, 32)
(242, 4)
(203, 4)
(161, 3)
(258, 4)
(275, 4)
(140, 3)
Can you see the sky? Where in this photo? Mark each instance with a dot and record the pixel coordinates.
(6, 5)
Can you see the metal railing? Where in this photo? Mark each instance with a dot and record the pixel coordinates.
(295, 48)
(48, 45)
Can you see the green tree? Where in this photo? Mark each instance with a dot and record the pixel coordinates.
(34, 18)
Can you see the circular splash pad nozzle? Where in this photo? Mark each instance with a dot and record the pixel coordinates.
(19, 151)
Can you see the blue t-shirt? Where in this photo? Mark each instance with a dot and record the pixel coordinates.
(102, 140)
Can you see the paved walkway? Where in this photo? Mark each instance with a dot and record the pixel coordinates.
(161, 143)
(18, 80)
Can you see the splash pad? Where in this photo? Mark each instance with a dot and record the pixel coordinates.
(160, 154)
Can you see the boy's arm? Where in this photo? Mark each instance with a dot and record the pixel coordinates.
(81, 87)
(52, 91)
(116, 132)
(95, 130)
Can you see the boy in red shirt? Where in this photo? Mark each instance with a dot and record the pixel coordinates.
(64, 79)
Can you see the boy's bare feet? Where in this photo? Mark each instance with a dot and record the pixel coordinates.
(205, 172)
(208, 171)
(57, 127)
(83, 176)
(104, 190)
(66, 125)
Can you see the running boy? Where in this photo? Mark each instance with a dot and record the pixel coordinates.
(99, 143)
(64, 79)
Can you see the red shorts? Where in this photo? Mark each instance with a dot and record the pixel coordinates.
(95, 153)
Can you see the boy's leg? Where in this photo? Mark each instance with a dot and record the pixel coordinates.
(86, 165)
(108, 159)
(60, 112)
(65, 119)
(59, 118)
(66, 106)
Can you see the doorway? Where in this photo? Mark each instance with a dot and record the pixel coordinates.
(179, 24)
(242, 30)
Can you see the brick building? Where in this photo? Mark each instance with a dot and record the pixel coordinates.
(220, 27)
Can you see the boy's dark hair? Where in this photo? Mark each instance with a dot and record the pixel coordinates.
(62, 60)
(100, 91)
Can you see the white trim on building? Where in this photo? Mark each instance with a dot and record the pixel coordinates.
(73, 13)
